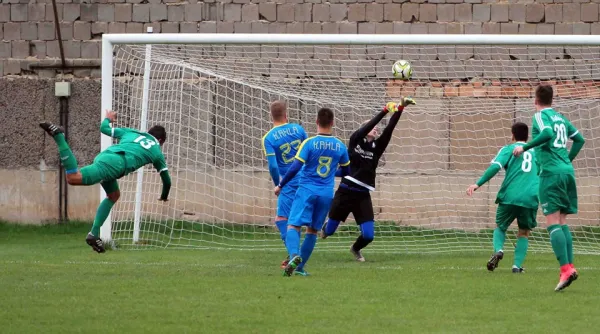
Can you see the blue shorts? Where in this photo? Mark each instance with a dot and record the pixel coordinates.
(285, 200)
(309, 209)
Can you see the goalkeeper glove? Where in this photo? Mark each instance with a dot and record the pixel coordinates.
(405, 101)
(391, 107)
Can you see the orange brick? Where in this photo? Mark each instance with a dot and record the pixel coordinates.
(409, 90)
(479, 91)
(477, 84)
(465, 90)
(496, 83)
(593, 92)
(437, 84)
(494, 91)
(450, 91)
(523, 91)
(508, 91)
(548, 82)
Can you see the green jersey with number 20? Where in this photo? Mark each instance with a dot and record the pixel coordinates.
(521, 181)
(139, 149)
(553, 155)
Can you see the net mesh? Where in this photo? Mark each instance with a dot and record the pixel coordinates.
(214, 102)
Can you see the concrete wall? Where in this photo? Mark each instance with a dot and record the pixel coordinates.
(441, 142)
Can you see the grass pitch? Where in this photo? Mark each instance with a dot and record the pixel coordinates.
(53, 283)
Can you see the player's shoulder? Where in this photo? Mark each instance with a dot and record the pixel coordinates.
(338, 140)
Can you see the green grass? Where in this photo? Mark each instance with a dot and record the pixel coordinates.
(53, 283)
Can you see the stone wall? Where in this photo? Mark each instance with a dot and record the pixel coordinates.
(27, 91)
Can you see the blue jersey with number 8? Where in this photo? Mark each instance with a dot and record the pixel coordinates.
(321, 155)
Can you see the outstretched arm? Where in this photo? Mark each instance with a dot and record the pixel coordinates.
(542, 138)
(364, 130)
(106, 129)
(499, 162)
(386, 136)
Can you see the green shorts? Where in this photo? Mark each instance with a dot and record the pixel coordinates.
(507, 213)
(558, 193)
(106, 169)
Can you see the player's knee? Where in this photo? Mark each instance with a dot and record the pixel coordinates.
(280, 218)
(523, 233)
(367, 230)
(310, 230)
(74, 179)
(114, 196)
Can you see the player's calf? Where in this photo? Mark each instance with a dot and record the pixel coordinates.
(95, 242)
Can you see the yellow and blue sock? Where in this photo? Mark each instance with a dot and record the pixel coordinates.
(292, 242)
(310, 240)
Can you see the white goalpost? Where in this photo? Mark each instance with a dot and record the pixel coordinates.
(212, 93)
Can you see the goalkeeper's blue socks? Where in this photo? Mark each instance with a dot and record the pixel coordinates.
(103, 211)
(498, 239)
(282, 227)
(367, 234)
(310, 240)
(331, 226)
(292, 242)
(67, 158)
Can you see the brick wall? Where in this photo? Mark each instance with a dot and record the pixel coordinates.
(28, 32)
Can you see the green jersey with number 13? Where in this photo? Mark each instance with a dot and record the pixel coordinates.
(139, 149)
(553, 155)
(521, 181)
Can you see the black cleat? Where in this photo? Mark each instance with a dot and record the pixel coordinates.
(291, 266)
(95, 242)
(51, 129)
(516, 270)
(494, 260)
(285, 262)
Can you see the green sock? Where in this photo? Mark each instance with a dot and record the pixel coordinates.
(498, 239)
(67, 159)
(569, 240)
(101, 214)
(521, 251)
(559, 244)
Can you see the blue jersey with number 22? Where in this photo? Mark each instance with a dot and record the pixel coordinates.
(321, 154)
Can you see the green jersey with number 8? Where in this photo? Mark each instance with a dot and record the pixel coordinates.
(521, 181)
(138, 148)
(553, 155)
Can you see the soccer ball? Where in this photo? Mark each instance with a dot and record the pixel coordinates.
(402, 70)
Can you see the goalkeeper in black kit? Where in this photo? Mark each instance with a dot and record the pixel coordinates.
(353, 195)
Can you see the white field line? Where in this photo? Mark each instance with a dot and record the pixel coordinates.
(217, 265)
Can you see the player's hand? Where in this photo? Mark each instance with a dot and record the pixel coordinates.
(111, 115)
(405, 101)
(472, 189)
(391, 107)
(518, 151)
(277, 190)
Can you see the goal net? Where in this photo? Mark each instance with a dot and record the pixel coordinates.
(214, 101)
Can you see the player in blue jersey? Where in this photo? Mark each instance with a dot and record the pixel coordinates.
(280, 145)
(318, 157)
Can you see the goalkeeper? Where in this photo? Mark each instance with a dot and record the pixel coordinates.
(135, 149)
(516, 199)
(353, 195)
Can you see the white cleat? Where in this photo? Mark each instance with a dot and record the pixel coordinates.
(357, 254)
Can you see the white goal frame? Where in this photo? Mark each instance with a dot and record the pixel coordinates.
(110, 40)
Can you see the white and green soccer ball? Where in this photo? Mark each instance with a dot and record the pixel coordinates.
(402, 70)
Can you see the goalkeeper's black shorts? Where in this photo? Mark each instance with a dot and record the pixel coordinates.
(348, 201)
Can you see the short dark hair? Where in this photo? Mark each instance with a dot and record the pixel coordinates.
(544, 95)
(158, 132)
(520, 131)
(325, 117)
(278, 110)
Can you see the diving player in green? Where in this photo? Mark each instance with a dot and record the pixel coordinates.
(134, 150)
(516, 199)
(558, 191)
